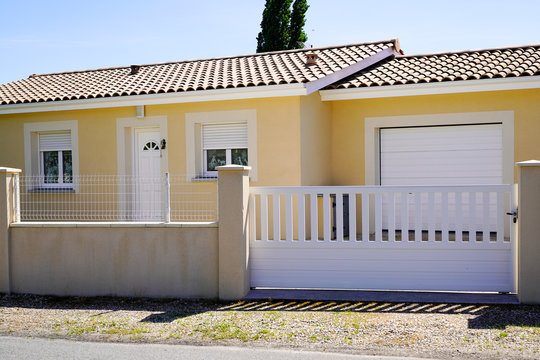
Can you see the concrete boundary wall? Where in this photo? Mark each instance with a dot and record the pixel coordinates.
(118, 261)
(180, 260)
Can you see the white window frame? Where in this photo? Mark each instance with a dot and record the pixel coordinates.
(60, 183)
(195, 154)
(228, 160)
(33, 157)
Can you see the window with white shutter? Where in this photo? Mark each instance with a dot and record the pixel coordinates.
(219, 138)
(224, 144)
(55, 154)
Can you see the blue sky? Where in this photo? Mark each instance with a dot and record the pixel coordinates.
(52, 36)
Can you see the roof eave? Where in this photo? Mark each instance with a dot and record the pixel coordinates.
(296, 89)
(446, 87)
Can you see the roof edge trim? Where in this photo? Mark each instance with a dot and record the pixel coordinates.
(296, 89)
(349, 70)
(447, 87)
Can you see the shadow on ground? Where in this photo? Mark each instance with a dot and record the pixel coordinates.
(169, 310)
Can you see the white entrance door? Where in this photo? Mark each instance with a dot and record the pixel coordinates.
(147, 173)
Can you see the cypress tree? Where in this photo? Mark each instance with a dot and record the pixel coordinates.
(297, 34)
(274, 33)
(281, 29)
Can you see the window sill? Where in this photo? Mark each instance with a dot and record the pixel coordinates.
(51, 190)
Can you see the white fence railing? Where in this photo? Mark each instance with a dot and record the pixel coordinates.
(381, 213)
(176, 198)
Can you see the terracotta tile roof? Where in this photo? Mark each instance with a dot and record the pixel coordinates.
(281, 67)
(465, 65)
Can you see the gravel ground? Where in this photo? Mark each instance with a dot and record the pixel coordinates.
(405, 329)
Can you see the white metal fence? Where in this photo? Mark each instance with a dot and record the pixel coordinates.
(177, 198)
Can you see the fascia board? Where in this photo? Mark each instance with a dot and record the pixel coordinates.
(157, 99)
(464, 86)
(349, 70)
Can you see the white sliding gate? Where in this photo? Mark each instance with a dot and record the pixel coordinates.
(362, 237)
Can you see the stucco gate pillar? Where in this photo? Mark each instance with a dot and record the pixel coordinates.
(233, 240)
(8, 214)
(529, 232)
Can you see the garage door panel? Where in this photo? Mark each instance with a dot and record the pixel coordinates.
(470, 136)
(457, 152)
(447, 157)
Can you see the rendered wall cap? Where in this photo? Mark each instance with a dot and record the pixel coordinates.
(233, 167)
(9, 170)
(529, 163)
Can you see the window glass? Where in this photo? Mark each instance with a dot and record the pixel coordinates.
(67, 166)
(50, 167)
(215, 158)
(239, 156)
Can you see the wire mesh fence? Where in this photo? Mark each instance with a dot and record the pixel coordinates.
(117, 198)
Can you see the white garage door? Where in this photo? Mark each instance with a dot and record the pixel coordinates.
(442, 155)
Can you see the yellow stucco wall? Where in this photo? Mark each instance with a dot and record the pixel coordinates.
(347, 164)
(278, 136)
(315, 140)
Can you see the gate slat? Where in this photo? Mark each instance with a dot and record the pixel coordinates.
(301, 217)
(365, 216)
(485, 222)
(404, 216)
(288, 217)
(277, 216)
(500, 217)
(326, 217)
(378, 217)
(391, 217)
(459, 217)
(264, 217)
(339, 217)
(352, 216)
(418, 217)
(314, 217)
(472, 216)
(431, 216)
(444, 219)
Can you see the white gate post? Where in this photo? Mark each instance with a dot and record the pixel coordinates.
(233, 240)
(528, 240)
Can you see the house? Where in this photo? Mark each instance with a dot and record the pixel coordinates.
(361, 114)
(341, 115)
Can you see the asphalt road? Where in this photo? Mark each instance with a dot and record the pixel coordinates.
(12, 348)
